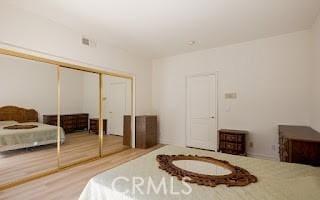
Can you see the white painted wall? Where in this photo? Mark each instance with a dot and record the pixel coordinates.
(25, 32)
(31, 84)
(271, 77)
(91, 94)
(72, 91)
(315, 122)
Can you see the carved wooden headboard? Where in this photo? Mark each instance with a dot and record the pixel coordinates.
(20, 115)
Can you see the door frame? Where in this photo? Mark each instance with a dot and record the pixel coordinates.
(216, 74)
(125, 99)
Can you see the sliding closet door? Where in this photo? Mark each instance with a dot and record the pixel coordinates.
(79, 113)
(117, 114)
(28, 143)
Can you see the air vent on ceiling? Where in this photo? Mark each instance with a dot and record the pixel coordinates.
(88, 42)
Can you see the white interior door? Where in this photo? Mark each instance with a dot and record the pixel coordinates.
(116, 107)
(201, 112)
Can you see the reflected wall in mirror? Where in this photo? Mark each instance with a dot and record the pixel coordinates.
(28, 146)
(79, 100)
(117, 103)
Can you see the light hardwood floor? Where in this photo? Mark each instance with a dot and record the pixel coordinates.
(77, 146)
(68, 184)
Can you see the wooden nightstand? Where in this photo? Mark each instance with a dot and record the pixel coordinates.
(233, 141)
(94, 126)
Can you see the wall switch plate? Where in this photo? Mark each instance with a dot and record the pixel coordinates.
(232, 95)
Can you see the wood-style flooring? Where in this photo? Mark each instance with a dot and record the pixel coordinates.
(77, 146)
(68, 184)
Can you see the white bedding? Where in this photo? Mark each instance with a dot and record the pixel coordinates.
(276, 180)
(23, 138)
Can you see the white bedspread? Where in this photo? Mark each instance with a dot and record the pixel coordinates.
(276, 180)
(43, 134)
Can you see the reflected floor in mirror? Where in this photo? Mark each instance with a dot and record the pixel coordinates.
(21, 163)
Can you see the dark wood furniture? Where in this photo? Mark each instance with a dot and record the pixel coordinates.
(94, 126)
(20, 115)
(299, 144)
(127, 130)
(232, 141)
(70, 123)
(146, 131)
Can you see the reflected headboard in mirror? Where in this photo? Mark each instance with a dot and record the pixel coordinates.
(8, 113)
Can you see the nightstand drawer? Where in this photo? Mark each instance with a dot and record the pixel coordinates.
(232, 138)
(232, 141)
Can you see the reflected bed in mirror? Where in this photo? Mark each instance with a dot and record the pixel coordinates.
(19, 138)
(28, 89)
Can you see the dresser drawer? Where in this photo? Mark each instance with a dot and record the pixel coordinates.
(70, 123)
(231, 137)
(231, 146)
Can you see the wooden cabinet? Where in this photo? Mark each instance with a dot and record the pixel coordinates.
(146, 131)
(299, 144)
(127, 130)
(70, 123)
(94, 126)
(232, 141)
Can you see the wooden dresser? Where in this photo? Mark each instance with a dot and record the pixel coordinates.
(70, 123)
(94, 126)
(299, 144)
(146, 131)
(232, 141)
(127, 130)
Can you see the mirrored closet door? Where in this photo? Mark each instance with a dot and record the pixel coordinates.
(54, 116)
(117, 109)
(28, 145)
(79, 115)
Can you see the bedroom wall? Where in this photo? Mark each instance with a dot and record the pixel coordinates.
(91, 94)
(26, 32)
(315, 122)
(271, 77)
(31, 84)
(72, 91)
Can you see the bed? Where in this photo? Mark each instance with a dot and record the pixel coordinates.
(13, 139)
(276, 180)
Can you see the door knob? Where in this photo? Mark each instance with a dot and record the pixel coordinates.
(212, 117)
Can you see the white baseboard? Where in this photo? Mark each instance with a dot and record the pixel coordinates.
(262, 156)
(170, 142)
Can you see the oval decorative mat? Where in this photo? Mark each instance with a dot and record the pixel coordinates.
(237, 177)
(15, 127)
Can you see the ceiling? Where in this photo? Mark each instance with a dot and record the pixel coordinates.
(158, 28)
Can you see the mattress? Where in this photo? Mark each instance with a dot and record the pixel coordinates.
(23, 138)
(276, 180)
